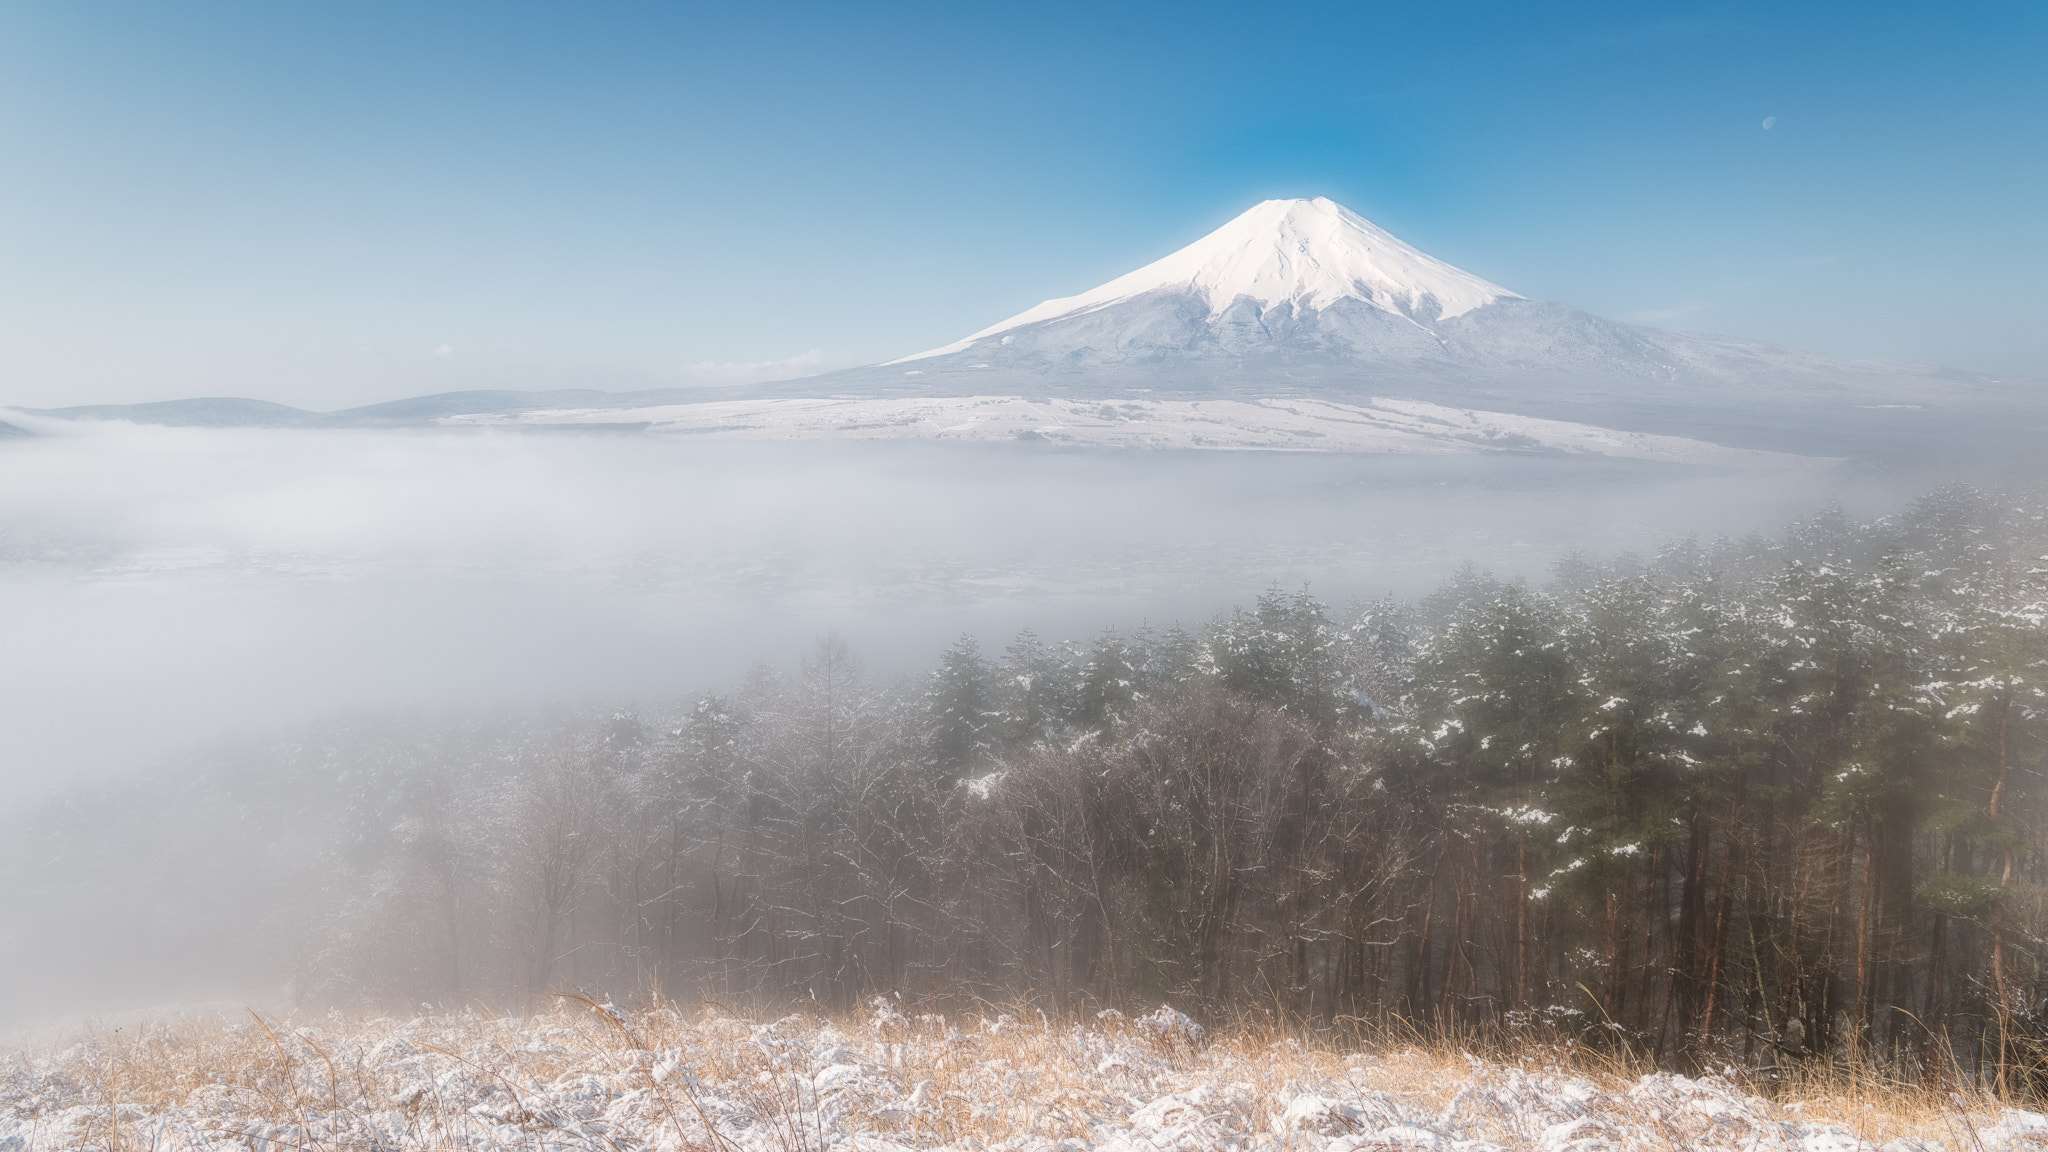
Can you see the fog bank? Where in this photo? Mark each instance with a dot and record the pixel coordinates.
(160, 586)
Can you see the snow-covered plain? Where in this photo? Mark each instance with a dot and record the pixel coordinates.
(1384, 427)
(605, 1080)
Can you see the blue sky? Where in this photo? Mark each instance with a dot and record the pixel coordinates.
(331, 204)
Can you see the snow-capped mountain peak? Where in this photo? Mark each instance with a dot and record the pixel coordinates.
(1308, 253)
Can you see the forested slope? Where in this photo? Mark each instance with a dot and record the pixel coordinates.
(1759, 796)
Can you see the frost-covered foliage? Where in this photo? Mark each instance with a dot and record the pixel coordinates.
(1760, 802)
(1796, 783)
(604, 1080)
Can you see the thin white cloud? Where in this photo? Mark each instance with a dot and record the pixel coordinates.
(1662, 316)
(803, 364)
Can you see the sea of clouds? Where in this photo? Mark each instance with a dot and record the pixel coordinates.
(160, 586)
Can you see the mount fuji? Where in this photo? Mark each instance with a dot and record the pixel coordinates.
(1252, 280)
(1301, 325)
(1307, 299)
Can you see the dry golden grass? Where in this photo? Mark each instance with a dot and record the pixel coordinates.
(589, 1076)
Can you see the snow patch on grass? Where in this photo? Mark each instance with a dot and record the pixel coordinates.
(598, 1078)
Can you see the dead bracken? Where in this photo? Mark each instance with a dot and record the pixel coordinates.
(593, 1076)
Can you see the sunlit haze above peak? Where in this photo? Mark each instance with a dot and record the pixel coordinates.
(331, 207)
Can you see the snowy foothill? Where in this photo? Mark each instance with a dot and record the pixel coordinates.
(593, 1076)
(1382, 426)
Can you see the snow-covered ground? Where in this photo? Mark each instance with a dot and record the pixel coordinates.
(605, 1080)
(1393, 427)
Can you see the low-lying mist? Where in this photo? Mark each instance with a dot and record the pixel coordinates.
(160, 586)
(218, 638)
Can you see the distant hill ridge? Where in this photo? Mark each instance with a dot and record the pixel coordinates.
(1307, 299)
(237, 412)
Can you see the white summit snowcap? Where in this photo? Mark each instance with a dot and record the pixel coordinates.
(1311, 253)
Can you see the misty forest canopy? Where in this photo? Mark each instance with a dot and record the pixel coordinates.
(1695, 798)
